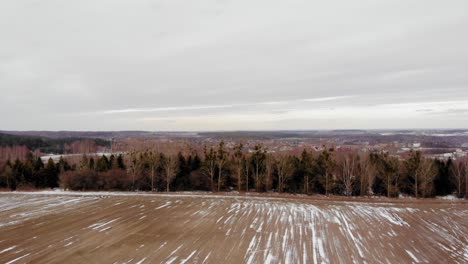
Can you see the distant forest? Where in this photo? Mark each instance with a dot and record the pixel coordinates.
(173, 167)
(44, 144)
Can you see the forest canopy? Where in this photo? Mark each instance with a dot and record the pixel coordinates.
(44, 144)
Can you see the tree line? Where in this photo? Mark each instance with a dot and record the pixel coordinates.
(31, 173)
(49, 145)
(219, 168)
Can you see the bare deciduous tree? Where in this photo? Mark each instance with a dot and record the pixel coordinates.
(135, 166)
(170, 166)
(347, 174)
(258, 159)
(246, 167)
(466, 178)
(209, 167)
(367, 174)
(285, 170)
(458, 171)
(153, 162)
(413, 169)
(8, 172)
(427, 173)
(221, 158)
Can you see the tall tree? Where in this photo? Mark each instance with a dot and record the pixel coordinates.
(466, 178)
(182, 180)
(8, 172)
(84, 164)
(135, 166)
(18, 173)
(63, 165)
(413, 169)
(237, 159)
(102, 164)
(427, 173)
(269, 169)
(258, 159)
(52, 180)
(91, 164)
(367, 173)
(442, 183)
(307, 164)
(390, 168)
(195, 162)
(112, 162)
(221, 158)
(120, 162)
(348, 168)
(247, 164)
(170, 168)
(209, 165)
(285, 169)
(153, 164)
(458, 171)
(38, 165)
(325, 166)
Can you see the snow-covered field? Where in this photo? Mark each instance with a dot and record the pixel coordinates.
(67, 227)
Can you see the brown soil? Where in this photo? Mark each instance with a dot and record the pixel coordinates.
(123, 228)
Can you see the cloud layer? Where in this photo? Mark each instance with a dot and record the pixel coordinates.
(228, 65)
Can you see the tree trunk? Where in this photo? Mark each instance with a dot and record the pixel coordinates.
(466, 180)
(212, 181)
(416, 185)
(361, 189)
(152, 179)
(388, 186)
(256, 179)
(306, 184)
(219, 179)
(459, 187)
(239, 175)
(247, 181)
(167, 185)
(280, 184)
(326, 183)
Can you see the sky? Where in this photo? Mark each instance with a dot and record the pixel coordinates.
(184, 65)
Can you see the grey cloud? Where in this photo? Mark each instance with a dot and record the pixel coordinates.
(144, 60)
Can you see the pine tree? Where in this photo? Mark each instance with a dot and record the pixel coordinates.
(38, 165)
(306, 168)
(120, 162)
(237, 159)
(102, 164)
(51, 180)
(325, 166)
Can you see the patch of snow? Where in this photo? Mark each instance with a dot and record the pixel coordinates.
(141, 261)
(16, 259)
(449, 198)
(416, 260)
(7, 249)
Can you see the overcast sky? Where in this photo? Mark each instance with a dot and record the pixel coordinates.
(233, 64)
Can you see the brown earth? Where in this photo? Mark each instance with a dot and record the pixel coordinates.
(186, 228)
